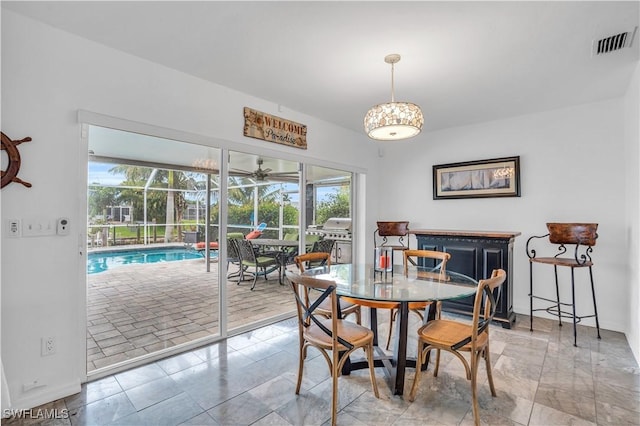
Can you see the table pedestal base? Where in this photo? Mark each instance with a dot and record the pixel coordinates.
(394, 365)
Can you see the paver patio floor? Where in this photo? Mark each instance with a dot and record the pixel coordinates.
(134, 310)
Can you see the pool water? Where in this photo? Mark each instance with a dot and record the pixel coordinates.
(101, 261)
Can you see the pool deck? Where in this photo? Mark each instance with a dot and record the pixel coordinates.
(137, 309)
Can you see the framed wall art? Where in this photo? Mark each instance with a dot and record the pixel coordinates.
(497, 177)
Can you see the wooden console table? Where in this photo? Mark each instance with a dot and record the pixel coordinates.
(476, 254)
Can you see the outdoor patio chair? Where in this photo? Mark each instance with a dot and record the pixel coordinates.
(320, 246)
(233, 258)
(309, 240)
(290, 252)
(323, 246)
(249, 259)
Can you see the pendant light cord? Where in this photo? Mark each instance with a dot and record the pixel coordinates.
(392, 88)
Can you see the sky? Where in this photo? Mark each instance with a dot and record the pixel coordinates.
(99, 173)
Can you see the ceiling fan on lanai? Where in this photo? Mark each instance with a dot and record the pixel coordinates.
(261, 174)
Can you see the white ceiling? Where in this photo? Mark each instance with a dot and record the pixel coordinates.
(462, 62)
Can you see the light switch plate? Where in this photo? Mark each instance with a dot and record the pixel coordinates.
(14, 228)
(37, 227)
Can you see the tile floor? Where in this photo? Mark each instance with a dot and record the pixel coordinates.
(541, 379)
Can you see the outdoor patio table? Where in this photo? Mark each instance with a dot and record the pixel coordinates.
(281, 247)
(360, 282)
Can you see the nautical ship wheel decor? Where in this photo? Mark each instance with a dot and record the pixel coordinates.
(13, 164)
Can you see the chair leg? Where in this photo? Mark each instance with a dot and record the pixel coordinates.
(555, 270)
(416, 378)
(255, 278)
(335, 373)
(573, 306)
(372, 374)
(435, 370)
(392, 317)
(487, 359)
(241, 277)
(242, 271)
(474, 388)
(595, 308)
(302, 356)
(530, 296)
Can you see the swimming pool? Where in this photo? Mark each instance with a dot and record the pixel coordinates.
(101, 261)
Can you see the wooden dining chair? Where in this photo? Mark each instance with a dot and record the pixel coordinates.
(429, 259)
(335, 338)
(324, 259)
(457, 337)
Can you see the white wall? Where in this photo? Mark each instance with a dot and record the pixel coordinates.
(47, 76)
(632, 157)
(572, 170)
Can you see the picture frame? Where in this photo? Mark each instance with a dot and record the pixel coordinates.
(496, 177)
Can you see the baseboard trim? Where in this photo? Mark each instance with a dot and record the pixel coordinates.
(47, 395)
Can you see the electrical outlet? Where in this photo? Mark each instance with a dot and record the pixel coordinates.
(48, 346)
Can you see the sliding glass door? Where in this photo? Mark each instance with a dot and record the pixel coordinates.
(263, 202)
(151, 244)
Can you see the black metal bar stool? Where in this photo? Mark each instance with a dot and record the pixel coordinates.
(397, 231)
(581, 236)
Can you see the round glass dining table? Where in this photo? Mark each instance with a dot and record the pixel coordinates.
(362, 284)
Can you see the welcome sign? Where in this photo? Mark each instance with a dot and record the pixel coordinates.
(270, 128)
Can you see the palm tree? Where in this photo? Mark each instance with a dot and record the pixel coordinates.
(172, 180)
(241, 194)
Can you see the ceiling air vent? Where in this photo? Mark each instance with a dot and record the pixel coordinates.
(613, 43)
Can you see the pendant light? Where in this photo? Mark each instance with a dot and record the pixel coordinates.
(394, 120)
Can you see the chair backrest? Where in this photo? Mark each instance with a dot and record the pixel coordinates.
(393, 229)
(301, 286)
(440, 256)
(320, 258)
(573, 233)
(484, 306)
(290, 236)
(245, 250)
(233, 254)
(399, 229)
(322, 246)
(310, 239)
